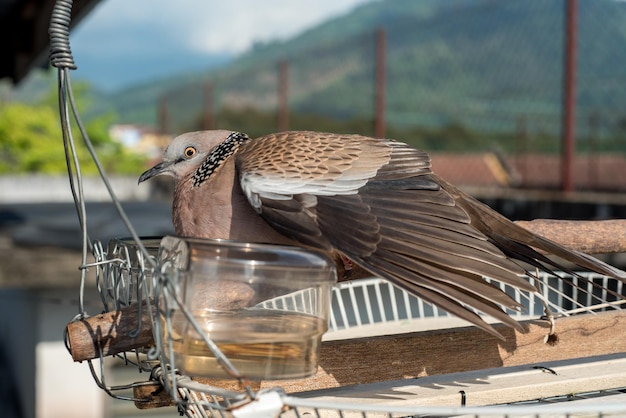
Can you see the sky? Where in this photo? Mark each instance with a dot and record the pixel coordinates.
(125, 42)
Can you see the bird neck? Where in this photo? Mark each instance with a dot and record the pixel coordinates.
(218, 209)
(220, 154)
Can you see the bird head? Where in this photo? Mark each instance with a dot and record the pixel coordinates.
(187, 153)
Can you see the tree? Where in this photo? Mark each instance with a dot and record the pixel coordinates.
(30, 139)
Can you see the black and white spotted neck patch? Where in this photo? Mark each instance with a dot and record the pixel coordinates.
(217, 157)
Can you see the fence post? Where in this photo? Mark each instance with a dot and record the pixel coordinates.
(593, 123)
(379, 99)
(162, 115)
(208, 119)
(283, 95)
(522, 148)
(569, 96)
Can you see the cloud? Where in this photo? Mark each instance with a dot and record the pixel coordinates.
(202, 26)
(124, 42)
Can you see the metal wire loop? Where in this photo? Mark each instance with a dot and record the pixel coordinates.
(60, 51)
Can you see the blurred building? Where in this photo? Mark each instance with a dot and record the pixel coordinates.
(144, 140)
(592, 172)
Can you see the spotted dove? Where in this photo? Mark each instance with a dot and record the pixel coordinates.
(373, 202)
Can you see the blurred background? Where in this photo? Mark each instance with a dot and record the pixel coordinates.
(522, 104)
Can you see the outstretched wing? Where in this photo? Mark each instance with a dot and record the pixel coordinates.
(377, 202)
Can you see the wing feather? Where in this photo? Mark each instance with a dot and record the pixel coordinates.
(378, 202)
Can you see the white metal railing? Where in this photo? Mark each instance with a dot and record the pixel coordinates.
(373, 301)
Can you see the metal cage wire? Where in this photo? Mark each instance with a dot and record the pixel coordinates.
(128, 272)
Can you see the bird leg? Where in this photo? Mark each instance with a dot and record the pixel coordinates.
(347, 265)
(551, 338)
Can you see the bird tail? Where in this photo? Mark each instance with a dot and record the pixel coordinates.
(523, 245)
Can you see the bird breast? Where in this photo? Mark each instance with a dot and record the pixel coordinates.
(218, 209)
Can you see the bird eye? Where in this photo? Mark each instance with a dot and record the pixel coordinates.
(190, 152)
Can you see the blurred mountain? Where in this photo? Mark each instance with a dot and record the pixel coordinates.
(478, 63)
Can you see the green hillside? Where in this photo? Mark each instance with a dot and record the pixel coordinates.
(483, 65)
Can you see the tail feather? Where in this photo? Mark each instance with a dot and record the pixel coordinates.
(523, 245)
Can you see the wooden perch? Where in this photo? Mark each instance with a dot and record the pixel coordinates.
(109, 333)
(591, 237)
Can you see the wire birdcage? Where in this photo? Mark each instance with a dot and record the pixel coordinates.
(129, 272)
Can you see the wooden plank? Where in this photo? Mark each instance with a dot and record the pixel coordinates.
(402, 356)
(407, 356)
(429, 353)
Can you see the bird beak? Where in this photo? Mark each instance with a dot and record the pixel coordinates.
(154, 171)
